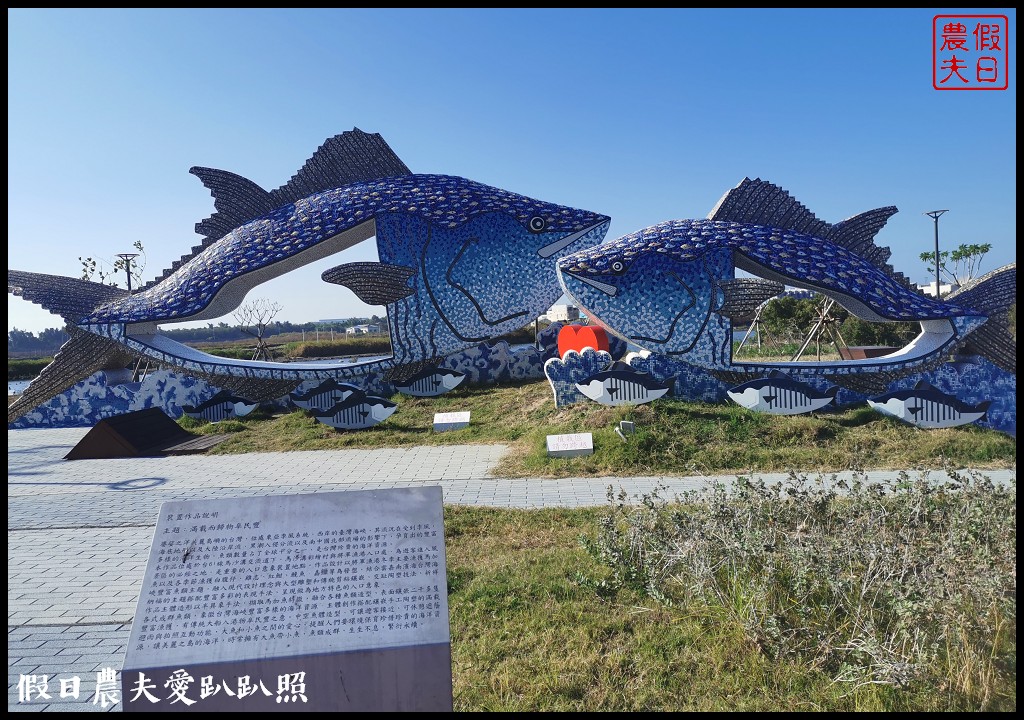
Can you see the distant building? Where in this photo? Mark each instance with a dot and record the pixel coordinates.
(563, 313)
(363, 330)
(929, 289)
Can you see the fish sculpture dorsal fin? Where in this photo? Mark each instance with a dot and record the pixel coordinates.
(351, 157)
(344, 159)
(857, 234)
(759, 202)
(237, 199)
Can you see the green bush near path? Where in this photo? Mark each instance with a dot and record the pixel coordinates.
(761, 601)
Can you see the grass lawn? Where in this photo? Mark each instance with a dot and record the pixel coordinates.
(532, 630)
(673, 437)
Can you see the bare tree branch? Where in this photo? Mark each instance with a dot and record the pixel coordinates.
(253, 319)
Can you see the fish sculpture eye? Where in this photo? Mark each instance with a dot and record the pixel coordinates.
(617, 267)
(537, 224)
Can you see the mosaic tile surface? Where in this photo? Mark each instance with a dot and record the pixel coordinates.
(671, 288)
(461, 263)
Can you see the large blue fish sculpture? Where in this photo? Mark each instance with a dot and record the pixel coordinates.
(671, 288)
(460, 263)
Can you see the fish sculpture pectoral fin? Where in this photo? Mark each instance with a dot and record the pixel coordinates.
(374, 283)
(743, 296)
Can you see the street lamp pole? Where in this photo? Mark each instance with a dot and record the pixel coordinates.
(128, 257)
(935, 215)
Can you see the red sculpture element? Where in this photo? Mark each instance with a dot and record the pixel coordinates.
(578, 337)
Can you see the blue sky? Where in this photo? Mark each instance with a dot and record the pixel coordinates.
(643, 115)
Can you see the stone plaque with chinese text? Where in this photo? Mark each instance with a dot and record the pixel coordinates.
(301, 602)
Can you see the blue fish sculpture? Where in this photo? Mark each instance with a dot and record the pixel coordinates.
(431, 382)
(460, 263)
(222, 406)
(358, 412)
(671, 288)
(779, 394)
(622, 385)
(928, 407)
(324, 395)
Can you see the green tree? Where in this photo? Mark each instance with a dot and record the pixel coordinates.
(958, 266)
(791, 319)
(893, 334)
(110, 273)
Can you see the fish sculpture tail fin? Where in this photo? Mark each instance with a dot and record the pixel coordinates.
(983, 407)
(80, 357)
(71, 298)
(992, 294)
(84, 353)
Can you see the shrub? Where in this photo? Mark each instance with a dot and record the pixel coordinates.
(888, 586)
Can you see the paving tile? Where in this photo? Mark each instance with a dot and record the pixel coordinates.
(79, 532)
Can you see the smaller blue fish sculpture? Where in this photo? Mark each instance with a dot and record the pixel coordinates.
(927, 407)
(324, 396)
(671, 288)
(358, 412)
(779, 394)
(431, 382)
(622, 385)
(222, 406)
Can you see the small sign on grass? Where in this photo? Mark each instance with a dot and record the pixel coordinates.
(444, 422)
(571, 445)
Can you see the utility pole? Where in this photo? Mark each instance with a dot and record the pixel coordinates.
(128, 257)
(935, 215)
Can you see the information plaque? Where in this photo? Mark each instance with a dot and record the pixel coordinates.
(327, 601)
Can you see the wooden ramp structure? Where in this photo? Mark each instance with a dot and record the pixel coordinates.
(144, 433)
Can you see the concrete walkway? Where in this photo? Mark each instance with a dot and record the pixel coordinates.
(79, 532)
